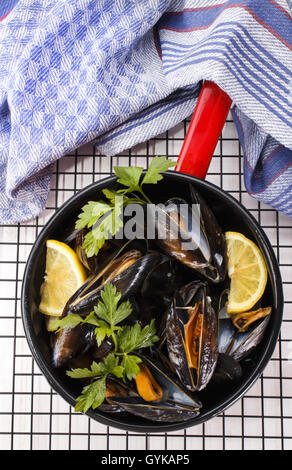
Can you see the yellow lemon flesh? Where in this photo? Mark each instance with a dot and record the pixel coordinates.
(247, 271)
(64, 275)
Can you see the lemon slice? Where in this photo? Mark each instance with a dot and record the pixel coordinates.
(64, 275)
(247, 271)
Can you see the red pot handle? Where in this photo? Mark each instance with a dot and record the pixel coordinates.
(204, 130)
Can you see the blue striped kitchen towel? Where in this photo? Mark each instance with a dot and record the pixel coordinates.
(123, 71)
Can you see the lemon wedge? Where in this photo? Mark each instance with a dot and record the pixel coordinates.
(247, 272)
(64, 275)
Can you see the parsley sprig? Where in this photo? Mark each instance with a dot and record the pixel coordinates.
(107, 316)
(104, 217)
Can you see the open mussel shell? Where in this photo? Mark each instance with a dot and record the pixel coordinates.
(163, 412)
(239, 334)
(191, 234)
(176, 404)
(115, 388)
(173, 391)
(217, 270)
(119, 272)
(174, 235)
(238, 344)
(191, 335)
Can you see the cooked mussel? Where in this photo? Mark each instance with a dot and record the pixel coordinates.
(159, 397)
(144, 309)
(86, 297)
(190, 233)
(240, 344)
(70, 342)
(162, 280)
(191, 335)
(217, 270)
(127, 273)
(239, 334)
(115, 388)
(227, 370)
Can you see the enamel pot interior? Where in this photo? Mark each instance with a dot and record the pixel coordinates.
(231, 216)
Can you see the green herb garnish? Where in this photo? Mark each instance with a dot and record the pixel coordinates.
(104, 217)
(120, 362)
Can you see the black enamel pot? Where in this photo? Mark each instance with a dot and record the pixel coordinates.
(231, 216)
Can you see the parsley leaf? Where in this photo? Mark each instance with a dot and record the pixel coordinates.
(129, 176)
(92, 395)
(104, 217)
(102, 330)
(134, 337)
(130, 365)
(107, 315)
(91, 212)
(108, 309)
(95, 370)
(70, 321)
(119, 195)
(106, 226)
(111, 195)
(92, 244)
(156, 167)
(111, 365)
(123, 311)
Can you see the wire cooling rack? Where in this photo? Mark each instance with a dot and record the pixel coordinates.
(34, 417)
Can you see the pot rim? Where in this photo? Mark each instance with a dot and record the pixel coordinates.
(275, 279)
